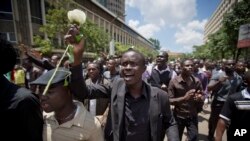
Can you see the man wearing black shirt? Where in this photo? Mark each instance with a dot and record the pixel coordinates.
(235, 115)
(138, 111)
(136, 117)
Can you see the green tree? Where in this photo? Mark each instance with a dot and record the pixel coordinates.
(97, 38)
(201, 51)
(147, 52)
(45, 44)
(233, 20)
(156, 43)
(57, 25)
(223, 43)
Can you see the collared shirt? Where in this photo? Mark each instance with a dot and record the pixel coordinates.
(228, 87)
(178, 88)
(159, 78)
(166, 70)
(82, 127)
(137, 117)
(96, 106)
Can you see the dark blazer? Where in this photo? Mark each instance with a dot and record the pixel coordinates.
(21, 117)
(161, 118)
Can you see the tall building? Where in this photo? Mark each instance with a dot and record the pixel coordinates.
(215, 21)
(103, 2)
(115, 6)
(20, 21)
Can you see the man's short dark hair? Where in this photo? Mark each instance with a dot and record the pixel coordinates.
(184, 61)
(8, 56)
(140, 55)
(98, 66)
(163, 53)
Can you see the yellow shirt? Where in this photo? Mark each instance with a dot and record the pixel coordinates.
(19, 77)
(83, 127)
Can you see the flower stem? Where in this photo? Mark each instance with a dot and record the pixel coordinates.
(57, 66)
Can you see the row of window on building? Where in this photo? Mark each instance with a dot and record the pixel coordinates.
(120, 34)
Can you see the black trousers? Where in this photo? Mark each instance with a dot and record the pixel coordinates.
(192, 127)
(216, 107)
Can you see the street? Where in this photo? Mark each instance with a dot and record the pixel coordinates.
(203, 126)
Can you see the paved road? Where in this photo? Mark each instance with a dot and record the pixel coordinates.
(203, 126)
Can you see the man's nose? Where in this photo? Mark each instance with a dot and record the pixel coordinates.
(43, 97)
(128, 66)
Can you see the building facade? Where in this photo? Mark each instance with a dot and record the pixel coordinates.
(20, 21)
(215, 21)
(102, 2)
(115, 6)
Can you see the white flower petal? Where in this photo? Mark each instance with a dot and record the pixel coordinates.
(77, 16)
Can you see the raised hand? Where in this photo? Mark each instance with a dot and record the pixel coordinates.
(72, 37)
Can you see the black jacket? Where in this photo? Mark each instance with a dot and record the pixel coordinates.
(161, 118)
(20, 112)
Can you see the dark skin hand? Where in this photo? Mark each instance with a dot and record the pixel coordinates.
(70, 38)
(190, 95)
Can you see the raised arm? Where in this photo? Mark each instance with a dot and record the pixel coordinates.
(41, 63)
(77, 84)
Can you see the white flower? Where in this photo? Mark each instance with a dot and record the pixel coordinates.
(77, 16)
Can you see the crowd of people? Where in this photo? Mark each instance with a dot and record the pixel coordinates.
(124, 98)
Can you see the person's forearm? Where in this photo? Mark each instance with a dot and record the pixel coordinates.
(40, 63)
(221, 126)
(77, 84)
(218, 136)
(214, 86)
(176, 100)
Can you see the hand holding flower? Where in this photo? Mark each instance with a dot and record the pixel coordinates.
(75, 41)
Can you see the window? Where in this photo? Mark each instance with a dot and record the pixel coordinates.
(6, 10)
(10, 36)
(36, 11)
(3, 35)
(90, 16)
(115, 36)
(47, 6)
(96, 20)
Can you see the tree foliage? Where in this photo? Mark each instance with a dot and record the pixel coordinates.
(223, 43)
(156, 43)
(57, 25)
(45, 44)
(147, 52)
(97, 38)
